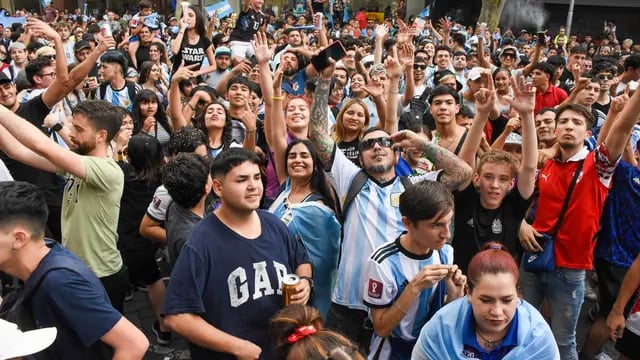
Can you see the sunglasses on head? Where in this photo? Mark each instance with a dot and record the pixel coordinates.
(370, 143)
(419, 66)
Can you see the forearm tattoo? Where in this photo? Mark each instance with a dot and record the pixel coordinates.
(319, 121)
(455, 170)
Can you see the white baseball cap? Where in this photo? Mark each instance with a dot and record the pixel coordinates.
(15, 343)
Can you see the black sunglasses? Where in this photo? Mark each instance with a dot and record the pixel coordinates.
(370, 143)
(511, 55)
(50, 57)
(605, 76)
(418, 66)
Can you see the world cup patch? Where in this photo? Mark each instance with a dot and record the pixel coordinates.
(375, 289)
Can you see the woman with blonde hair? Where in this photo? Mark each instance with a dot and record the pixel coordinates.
(351, 123)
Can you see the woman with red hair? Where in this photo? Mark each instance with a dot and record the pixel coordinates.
(491, 321)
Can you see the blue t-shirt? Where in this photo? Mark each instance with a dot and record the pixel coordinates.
(76, 303)
(295, 87)
(234, 283)
(619, 237)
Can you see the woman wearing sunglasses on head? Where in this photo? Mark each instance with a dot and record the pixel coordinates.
(491, 322)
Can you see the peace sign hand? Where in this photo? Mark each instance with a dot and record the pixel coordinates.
(525, 96)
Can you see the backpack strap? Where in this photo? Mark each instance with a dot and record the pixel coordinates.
(354, 188)
(131, 89)
(102, 91)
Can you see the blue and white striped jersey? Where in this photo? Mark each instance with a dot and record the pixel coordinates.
(372, 220)
(388, 271)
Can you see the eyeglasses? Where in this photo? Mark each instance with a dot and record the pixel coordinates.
(52, 74)
(418, 66)
(605, 76)
(50, 57)
(370, 143)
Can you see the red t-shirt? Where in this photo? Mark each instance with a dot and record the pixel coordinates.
(362, 19)
(574, 242)
(552, 97)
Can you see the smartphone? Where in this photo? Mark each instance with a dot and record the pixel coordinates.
(336, 51)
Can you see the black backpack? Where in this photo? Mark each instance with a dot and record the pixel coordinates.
(415, 115)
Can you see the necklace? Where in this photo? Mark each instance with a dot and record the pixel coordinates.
(489, 344)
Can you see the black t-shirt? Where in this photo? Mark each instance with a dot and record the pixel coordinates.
(179, 223)
(566, 81)
(247, 25)
(142, 54)
(351, 149)
(136, 196)
(603, 108)
(34, 111)
(475, 225)
(191, 53)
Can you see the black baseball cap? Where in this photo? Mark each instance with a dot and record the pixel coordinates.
(82, 44)
(4, 78)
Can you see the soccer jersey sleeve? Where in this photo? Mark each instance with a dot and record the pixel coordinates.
(604, 165)
(380, 288)
(157, 209)
(342, 172)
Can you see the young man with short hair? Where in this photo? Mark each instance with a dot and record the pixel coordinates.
(186, 178)
(605, 71)
(93, 185)
(492, 206)
(573, 242)
(222, 293)
(115, 88)
(444, 104)
(547, 94)
(412, 276)
(70, 297)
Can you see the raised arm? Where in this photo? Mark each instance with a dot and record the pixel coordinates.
(621, 128)
(176, 44)
(484, 103)
(534, 59)
(456, 174)
(512, 125)
(405, 56)
(524, 104)
(178, 119)
(394, 71)
(617, 104)
(276, 127)
(318, 123)
(381, 31)
(15, 150)
(263, 56)
(32, 138)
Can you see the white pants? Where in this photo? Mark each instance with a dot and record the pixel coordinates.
(241, 49)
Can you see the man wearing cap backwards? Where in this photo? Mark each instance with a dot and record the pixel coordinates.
(489, 208)
(36, 109)
(222, 55)
(70, 297)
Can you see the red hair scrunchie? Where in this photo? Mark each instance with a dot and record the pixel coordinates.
(300, 333)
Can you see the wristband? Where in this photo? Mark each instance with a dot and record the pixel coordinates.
(57, 127)
(277, 97)
(399, 308)
(250, 130)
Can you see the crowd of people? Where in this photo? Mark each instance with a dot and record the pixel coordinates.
(321, 185)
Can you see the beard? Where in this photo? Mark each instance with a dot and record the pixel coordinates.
(378, 169)
(290, 72)
(84, 148)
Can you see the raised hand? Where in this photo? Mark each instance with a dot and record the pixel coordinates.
(40, 28)
(183, 73)
(393, 66)
(445, 25)
(513, 124)
(618, 102)
(261, 48)
(405, 53)
(524, 100)
(485, 98)
(381, 31)
(407, 139)
(374, 90)
(248, 117)
(243, 67)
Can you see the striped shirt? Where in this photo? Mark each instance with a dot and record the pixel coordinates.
(388, 271)
(120, 97)
(372, 220)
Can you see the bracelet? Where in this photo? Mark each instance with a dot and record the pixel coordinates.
(399, 308)
(310, 280)
(250, 130)
(277, 97)
(191, 106)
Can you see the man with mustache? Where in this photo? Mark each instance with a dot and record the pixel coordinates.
(93, 186)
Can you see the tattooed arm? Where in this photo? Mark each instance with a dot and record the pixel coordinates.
(318, 125)
(455, 172)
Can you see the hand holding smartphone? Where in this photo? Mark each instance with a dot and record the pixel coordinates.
(335, 51)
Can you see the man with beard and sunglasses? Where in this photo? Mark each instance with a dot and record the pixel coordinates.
(372, 217)
(93, 187)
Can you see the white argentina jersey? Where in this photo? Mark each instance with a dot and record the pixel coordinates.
(372, 220)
